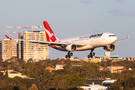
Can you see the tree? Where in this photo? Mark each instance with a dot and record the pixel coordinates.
(130, 82)
(33, 87)
(115, 87)
(47, 84)
(104, 74)
(28, 82)
(124, 81)
(6, 74)
(2, 77)
(73, 80)
(89, 71)
(11, 84)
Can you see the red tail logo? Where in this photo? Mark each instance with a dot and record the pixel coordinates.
(49, 33)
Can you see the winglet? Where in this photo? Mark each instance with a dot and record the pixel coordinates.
(127, 36)
(8, 37)
(123, 39)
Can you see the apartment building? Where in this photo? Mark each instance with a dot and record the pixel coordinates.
(34, 51)
(8, 48)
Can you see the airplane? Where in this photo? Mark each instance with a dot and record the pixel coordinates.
(82, 43)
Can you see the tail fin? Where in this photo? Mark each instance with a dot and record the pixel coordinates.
(49, 33)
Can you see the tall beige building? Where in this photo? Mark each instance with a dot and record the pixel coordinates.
(8, 48)
(27, 50)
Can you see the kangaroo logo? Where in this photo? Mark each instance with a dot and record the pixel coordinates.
(49, 33)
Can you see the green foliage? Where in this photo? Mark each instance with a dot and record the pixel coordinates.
(104, 74)
(28, 82)
(130, 82)
(6, 74)
(2, 77)
(62, 82)
(125, 81)
(68, 78)
(88, 71)
(73, 80)
(115, 87)
(1, 74)
(33, 87)
(46, 84)
(127, 64)
(11, 84)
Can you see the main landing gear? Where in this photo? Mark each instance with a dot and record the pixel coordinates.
(91, 54)
(69, 54)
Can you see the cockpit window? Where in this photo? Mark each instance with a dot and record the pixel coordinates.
(112, 35)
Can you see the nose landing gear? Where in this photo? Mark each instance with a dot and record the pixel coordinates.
(91, 54)
(69, 54)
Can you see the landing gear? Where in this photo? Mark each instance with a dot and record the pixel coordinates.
(91, 54)
(69, 54)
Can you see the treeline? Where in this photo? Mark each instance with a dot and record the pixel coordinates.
(125, 63)
(125, 81)
(67, 79)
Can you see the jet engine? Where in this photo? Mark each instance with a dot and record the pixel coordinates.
(109, 47)
(71, 47)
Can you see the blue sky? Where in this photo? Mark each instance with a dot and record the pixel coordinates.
(71, 18)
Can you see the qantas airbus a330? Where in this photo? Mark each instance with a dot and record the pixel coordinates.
(89, 42)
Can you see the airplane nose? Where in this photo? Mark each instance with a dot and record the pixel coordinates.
(114, 39)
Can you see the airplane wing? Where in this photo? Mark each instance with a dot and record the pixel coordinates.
(63, 44)
(123, 39)
(45, 42)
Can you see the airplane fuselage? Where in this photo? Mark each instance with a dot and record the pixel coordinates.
(88, 42)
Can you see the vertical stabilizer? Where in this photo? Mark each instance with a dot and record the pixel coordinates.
(49, 33)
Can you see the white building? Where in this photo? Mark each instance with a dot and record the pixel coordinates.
(8, 48)
(108, 82)
(93, 87)
(34, 51)
(59, 66)
(12, 74)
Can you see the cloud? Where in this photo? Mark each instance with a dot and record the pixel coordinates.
(86, 1)
(121, 13)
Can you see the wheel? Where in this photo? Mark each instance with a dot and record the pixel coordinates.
(71, 54)
(66, 56)
(88, 56)
(93, 53)
(91, 56)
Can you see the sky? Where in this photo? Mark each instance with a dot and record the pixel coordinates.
(72, 18)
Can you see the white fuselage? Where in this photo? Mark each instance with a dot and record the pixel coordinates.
(89, 42)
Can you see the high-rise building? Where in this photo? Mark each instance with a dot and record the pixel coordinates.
(8, 48)
(34, 51)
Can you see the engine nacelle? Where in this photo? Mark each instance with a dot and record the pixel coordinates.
(71, 47)
(109, 47)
